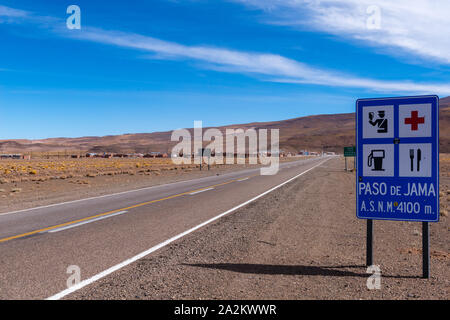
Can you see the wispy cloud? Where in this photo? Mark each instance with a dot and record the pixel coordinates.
(417, 27)
(11, 15)
(266, 66)
(11, 12)
(272, 67)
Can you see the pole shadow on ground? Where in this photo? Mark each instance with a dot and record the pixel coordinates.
(332, 271)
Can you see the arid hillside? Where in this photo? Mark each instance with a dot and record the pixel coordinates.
(316, 133)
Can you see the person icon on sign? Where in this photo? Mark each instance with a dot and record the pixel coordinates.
(381, 122)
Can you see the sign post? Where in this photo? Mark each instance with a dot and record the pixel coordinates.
(425, 250)
(398, 164)
(204, 152)
(200, 154)
(207, 153)
(369, 243)
(349, 152)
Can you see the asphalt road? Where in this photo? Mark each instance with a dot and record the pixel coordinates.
(38, 245)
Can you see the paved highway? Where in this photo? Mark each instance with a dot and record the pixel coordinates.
(38, 245)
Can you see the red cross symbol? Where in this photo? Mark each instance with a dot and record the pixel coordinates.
(415, 120)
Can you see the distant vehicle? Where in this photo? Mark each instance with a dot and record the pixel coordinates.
(11, 156)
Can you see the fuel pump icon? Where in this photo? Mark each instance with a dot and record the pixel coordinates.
(375, 160)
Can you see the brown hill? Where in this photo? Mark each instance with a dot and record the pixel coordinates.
(320, 132)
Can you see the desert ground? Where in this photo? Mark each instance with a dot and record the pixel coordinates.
(301, 241)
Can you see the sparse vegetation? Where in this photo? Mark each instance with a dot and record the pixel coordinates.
(13, 171)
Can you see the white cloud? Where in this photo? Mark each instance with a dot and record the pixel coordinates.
(11, 12)
(417, 27)
(273, 67)
(224, 59)
(267, 66)
(11, 15)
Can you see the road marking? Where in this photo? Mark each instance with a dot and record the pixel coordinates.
(119, 266)
(243, 179)
(111, 212)
(123, 192)
(196, 192)
(86, 222)
(302, 161)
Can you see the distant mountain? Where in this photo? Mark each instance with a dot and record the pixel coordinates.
(327, 132)
(444, 102)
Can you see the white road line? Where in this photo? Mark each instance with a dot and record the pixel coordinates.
(85, 222)
(243, 179)
(125, 263)
(191, 194)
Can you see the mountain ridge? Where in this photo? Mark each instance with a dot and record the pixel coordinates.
(328, 132)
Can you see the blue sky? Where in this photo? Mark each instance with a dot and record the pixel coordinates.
(145, 66)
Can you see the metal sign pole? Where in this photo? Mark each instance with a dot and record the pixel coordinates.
(369, 243)
(425, 250)
(345, 163)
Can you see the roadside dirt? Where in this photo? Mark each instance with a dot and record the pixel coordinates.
(302, 241)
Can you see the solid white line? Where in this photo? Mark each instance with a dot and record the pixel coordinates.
(119, 266)
(243, 179)
(85, 222)
(191, 194)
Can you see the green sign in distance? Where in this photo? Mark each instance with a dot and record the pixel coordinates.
(350, 151)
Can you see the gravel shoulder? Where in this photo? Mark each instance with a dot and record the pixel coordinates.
(302, 241)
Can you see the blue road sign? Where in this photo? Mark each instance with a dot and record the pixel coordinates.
(398, 158)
